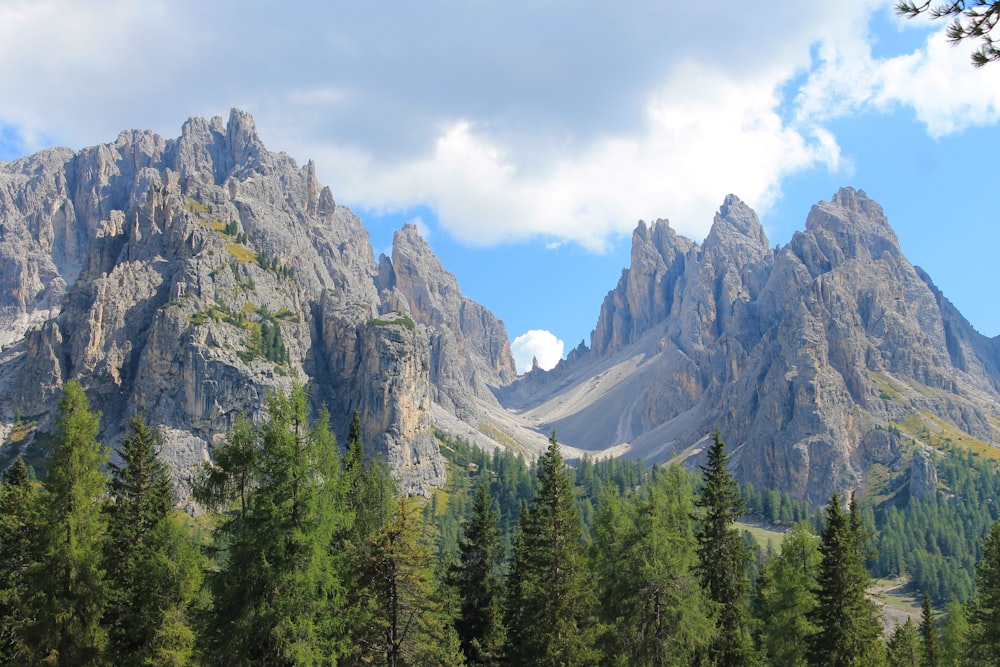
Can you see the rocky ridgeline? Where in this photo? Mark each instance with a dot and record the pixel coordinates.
(806, 356)
(186, 279)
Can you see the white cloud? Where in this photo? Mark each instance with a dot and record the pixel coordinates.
(565, 121)
(536, 344)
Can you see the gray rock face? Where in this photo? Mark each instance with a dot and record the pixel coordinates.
(470, 349)
(804, 356)
(185, 279)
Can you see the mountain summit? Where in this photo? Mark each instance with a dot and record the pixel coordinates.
(186, 278)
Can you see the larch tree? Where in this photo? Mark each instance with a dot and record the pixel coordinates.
(278, 597)
(970, 20)
(550, 596)
(954, 633)
(786, 597)
(723, 559)
(903, 647)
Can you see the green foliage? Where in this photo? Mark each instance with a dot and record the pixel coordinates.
(903, 648)
(846, 618)
(930, 643)
(153, 566)
(984, 610)
(954, 635)
(786, 598)
(277, 598)
(651, 606)
(477, 578)
(723, 558)
(68, 592)
(550, 596)
(17, 535)
(402, 320)
(936, 539)
(972, 19)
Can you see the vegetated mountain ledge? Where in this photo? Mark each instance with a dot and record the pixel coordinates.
(186, 278)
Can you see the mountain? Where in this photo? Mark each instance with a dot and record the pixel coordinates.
(820, 361)
(187, 278)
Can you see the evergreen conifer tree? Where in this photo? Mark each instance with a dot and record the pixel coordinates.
(847, 620)
(984, 610)
(723, 559)
(787, 597)
(929, 643)
(17, 537)
(651, 606)
(550, 597)
(278, 597)
(477, 579)
(153, 567)
(68, 591)
(903, 649)
(954, 632)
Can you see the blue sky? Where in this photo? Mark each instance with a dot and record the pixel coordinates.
(527, 139)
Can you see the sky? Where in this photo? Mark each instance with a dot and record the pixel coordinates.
(527, 139)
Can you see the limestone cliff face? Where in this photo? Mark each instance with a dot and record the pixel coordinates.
(470, 350)
(807, 356)
(185, 279)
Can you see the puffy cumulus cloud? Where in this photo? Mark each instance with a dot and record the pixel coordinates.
(568, 121)
(536, 344)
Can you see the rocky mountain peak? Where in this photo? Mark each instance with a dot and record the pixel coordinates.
(851, 226)
(735, 222)
(470, 349)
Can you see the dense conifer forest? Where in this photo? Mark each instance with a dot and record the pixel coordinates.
(306, 555)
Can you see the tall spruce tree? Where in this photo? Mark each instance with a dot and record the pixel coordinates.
(550, 596)
(651, 606)
(277, 599)
(17, 538)
(153, 567)
(984, 610)
(723, 558)
(477, 578)
(930, 644)
(786, 597)
(847, 619)
(68, 591)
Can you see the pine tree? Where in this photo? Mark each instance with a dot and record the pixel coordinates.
(903, 649)
(477, 579)
(929, 643)
(984, 610)
(651, 608)
(846, 619)
(67, 581)
(153, 567)
(786, 598)
(723, 560)
(278, 597)
(17, 537)
(550, 597)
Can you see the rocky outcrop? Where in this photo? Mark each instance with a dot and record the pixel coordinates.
(807, 356)
(470, 349)
(186, 279)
